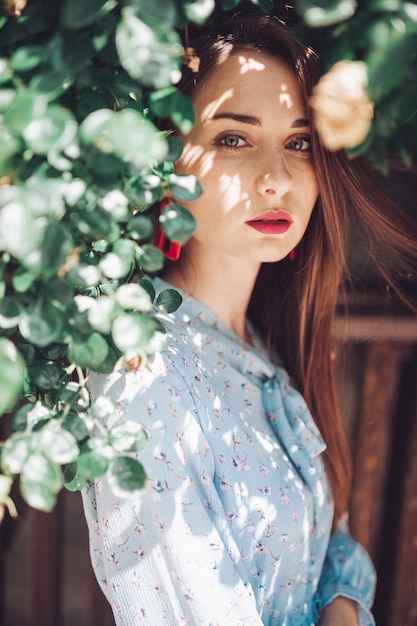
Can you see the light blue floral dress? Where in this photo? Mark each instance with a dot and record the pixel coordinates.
(234, 527)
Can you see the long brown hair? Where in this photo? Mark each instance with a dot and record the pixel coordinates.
(293, 303)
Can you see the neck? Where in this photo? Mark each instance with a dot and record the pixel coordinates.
(222, 284)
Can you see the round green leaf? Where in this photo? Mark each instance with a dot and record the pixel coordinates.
(126, 134)
(119, 261)
(185, 187)
(20, 417)
(133, 296)
(132, 332)
(169, 300)
(40, 481)
(20, 234)
(51, 83)
(101, 314)
(72, 480)
(13, 369)
(126, 477)
(5, 71)
(150, 55)
(26, 58)
(103, 407)
(150, 258)
(319, 13)
(199, 10)
(149, 288)
(170, 102)
(54, 131)
(75, 425)
(94, 458)
(127, 436)
(41, 324)
(117, 204)
(45, 375)
(15, 452)
(9, 312)
(27, 106)
(140, 227)
(177, 223)
(77, 13)
(89, 353)
(58, 445)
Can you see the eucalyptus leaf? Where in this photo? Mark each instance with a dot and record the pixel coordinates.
(95, 456)
(126, 477)
(133, 296)
(26, 107)
(102, 313)
(128, 436)
(41, 324)
(177, 223)
(126, 134)
(150, 258)
(146, 284)
(151, 55)
(76, 425)
(10, 310)
(44, 375)
(184, 187)
(104, 406)
(15, 452)
(54, 131)
(199, 10)
(169, 300)
(89, 353)
(77, 14)
(319, 13)
(72, 479)
(13, 369)
(140, 227)
(40, 481)
(55, 247)
(58, 444)
(132, 332)
(27, 58)
(170, 102)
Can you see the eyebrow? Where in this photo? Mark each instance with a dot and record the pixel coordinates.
(252, 120)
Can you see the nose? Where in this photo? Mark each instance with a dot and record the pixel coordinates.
(273, 177)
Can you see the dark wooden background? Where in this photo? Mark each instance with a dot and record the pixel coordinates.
(45, 573)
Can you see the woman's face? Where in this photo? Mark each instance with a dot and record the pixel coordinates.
(250, 149)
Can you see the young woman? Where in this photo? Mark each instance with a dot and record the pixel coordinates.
(242, 520)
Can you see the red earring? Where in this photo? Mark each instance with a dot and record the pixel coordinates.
(170, 249)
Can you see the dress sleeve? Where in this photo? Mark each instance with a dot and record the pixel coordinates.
(348, 571)
(166, 558)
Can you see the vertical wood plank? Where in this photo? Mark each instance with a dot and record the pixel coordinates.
(404, 569)
(371, 443)
(46, 567)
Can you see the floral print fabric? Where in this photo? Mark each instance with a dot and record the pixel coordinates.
(234, 526)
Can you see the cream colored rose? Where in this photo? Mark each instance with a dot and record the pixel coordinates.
(342, 109)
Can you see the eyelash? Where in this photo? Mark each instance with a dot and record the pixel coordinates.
(299, 139)
(219, 141)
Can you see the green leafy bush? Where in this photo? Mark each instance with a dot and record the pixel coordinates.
(82, 165)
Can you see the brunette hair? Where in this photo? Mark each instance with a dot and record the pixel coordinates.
(294, 302)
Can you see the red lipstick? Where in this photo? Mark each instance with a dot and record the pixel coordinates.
(271, 222)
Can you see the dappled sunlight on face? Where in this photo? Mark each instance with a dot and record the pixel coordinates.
(250, 64)
(250, 150)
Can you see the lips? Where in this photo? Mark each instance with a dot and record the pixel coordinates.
(271, 222)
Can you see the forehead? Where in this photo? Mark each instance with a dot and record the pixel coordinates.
(249, 77)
